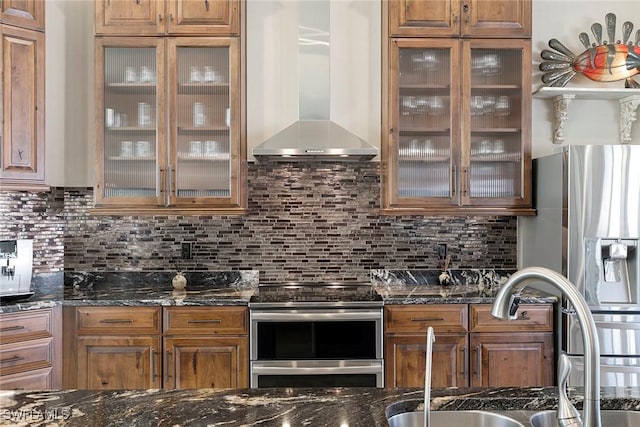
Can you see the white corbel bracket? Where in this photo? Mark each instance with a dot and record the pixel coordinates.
(628, 115)
(560, 115)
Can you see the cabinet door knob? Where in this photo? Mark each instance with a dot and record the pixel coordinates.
(159, 17)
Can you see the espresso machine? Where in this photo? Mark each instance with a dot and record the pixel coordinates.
(16, 264)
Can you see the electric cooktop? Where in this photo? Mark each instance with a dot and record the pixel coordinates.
(318, 293)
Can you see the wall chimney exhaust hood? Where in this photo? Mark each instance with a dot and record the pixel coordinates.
(314, 136)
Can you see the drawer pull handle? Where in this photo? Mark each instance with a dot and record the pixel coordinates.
(204, 321)
(479, 363)
(523, 316)
(168, 365)
(11, 328)
(465, 350)
(427, 319)
(12, 359)
(154, 373)
(116, 321)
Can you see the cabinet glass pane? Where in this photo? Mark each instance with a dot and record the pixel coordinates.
(203, 166)
(495, 112)
(424, 144)
(130, 122)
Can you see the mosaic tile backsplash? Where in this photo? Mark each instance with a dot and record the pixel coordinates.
(306, 221)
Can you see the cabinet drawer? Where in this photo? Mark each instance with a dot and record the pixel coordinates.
(16, 357)
(118, 320)
(40, 379)
(531, 317)
(206, 320)
(416, 318)
(25, 325)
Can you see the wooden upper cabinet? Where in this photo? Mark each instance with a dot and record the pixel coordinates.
(158, 17)
(466, 18)
(129, 17)
(496, 18)
(420, 18)
(22, 108)
(206, 17)
(23, 13)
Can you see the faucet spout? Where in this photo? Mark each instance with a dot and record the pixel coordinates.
(427, 376)
(505, 306)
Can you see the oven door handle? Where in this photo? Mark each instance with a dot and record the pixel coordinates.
(312, 315)
(371, 368)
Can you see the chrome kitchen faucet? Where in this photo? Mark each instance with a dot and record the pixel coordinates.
(506, 305)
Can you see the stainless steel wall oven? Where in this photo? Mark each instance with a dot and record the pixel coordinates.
(316, 335)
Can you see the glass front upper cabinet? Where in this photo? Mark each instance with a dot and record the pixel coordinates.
(168, 140)
(458, 138)
(497, 96)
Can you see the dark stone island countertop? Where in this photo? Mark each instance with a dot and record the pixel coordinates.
(335, 407)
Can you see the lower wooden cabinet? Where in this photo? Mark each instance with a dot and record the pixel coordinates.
(512, 352)
(118, 363)
(30, 350)
(204, 362)
(206, 347)
(405, 361)
(471, 349)
(512, 359)
(132, 348)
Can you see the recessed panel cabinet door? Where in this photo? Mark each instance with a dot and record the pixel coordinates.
(460, 18)
(496, 18)
(435, 18)
(206, 17)
(204, 362)
(22, 109)
(23, 13)
(511, 360)
(118, 363)
(129, 17)
(405, 361)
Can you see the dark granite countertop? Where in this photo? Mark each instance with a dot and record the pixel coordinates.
(353, 407)
(204, 288)
(215, 288)
(47, 292)
(475, 286)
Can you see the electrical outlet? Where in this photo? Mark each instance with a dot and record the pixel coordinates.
(442, 250)
(186, 250)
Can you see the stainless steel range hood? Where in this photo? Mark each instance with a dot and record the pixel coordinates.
(314, 136)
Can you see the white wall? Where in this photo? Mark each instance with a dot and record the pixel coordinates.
(70, 85)
(69, 128)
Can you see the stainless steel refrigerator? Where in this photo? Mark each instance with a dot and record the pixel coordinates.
(587, 228)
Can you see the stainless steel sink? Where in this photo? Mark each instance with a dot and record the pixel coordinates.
(609, 418)
(453, 418)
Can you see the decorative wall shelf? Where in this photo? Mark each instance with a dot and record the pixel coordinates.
(561, 97)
